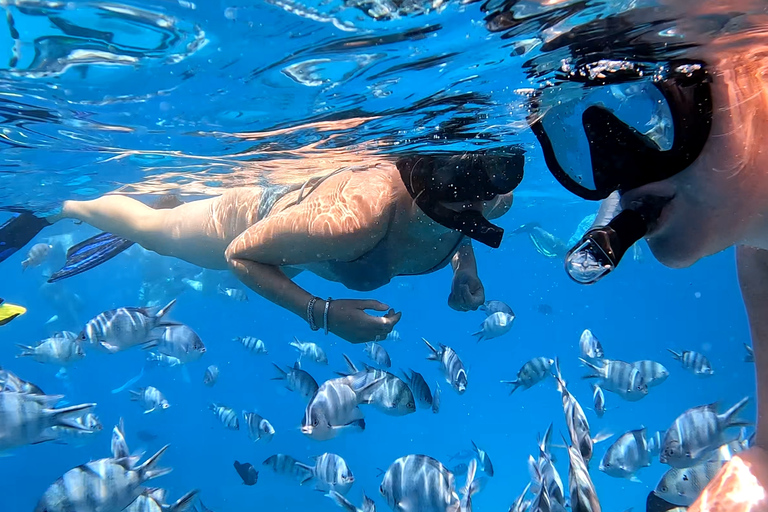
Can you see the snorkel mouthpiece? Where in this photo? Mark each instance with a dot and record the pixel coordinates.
(600, 250)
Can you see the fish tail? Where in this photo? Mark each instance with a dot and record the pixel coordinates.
(466, 491)
(593, 367)
(435, 355)
(730, 415)
(184, 502)
(147, 471)
(135, 395)
(559, 376)
(341, 501)
(677, 356)
(26, 350)
(24, 265)
(515, 384)
(350, 365)
(60, 416)
(479, 335)
(213, 406)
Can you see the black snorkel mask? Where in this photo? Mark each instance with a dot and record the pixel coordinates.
(623, 158)
(432, 180)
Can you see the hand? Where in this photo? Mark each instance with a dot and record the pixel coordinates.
(738, 487)
(467, 292)
(347, 319)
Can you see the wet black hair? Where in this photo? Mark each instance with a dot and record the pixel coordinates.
(433, 179)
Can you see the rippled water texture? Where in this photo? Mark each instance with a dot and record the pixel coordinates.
(186, 97)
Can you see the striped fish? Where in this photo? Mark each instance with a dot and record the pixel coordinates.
(618, 377)
(153, 500)
(694, 362)
(697, 433)
(453, 369)
(575, 419)
(581, 489)
(211, 375)
(151, 398)
(419, 387)
(653, 373)
(286, 465)
(599, 398)
(297, 380)
(590, 346)
(253, 344)
(532, 372)
(101, 485)
(378, 354)
(258, 427)
(330, 473)
(627, 455)
(436, 399)
(681, 486)
(226, 415)
(122, 328)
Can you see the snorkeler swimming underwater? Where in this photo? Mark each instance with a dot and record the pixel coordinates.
(357, 228)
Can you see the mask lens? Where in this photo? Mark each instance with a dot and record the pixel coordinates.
(588, 263)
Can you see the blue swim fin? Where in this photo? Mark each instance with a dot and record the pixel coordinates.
(18, 232)
(89, 254)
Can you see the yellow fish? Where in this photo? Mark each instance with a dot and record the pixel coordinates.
(10, 311)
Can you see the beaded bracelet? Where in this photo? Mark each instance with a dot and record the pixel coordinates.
(311, 313)
(325, 315)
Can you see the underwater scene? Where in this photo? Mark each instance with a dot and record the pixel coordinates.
(282, 255)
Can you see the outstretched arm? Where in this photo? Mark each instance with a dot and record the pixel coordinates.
(467, 292)
(341, 224)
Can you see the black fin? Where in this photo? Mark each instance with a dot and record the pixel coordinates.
(655, 504)
(18, 232)
(89, 254)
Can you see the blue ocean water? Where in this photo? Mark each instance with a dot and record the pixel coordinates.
(172, 97)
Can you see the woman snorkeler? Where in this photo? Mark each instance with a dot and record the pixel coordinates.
(705, 192)
(358, 226)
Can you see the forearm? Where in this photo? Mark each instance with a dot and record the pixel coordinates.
(464, 259)
(274, 285)
(753, 278)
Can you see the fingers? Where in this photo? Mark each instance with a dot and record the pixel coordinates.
(374, 305)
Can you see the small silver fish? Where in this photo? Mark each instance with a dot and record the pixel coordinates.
(681, 486)
(120, 329)
(344, 503)
(178, 341)
(453, 369)
(330, 473)
(151, 398)
(163, 360)
(28, 419)
(36, 256)
(495, 306)
(546, 243)
(575, 419)
(119, 445)
(532, 372)
(288, 466)
(211, 375)
(226, 415)
(394, 335)
(258, 427)
(485, 460)
(618, 377)
(628, 454)
(378, 354)
(436, 399)
(237, 294)
(57, 350)
(599, 398)
(309, 350)
(90, 423)
(697, 433)
(694, 362)
(590, 346)
(101, 485)
(153, 500)
(255, 345)
(333, 409)
(495, 325)
(653, 373)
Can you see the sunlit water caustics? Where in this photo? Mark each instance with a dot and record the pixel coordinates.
(192, 98)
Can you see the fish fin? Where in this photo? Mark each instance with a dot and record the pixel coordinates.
(598, 371)
(283, 374)
(602, 436)
(634, 478)
(515, 384)
(341, 501)
(434, 355)
(90, 253)
(183, 503)
(26, 350)
(135, 395)
(678, 356)
(60, 416)
(350, 365)
(150, 410)
(112, 349)
(148, 469)
(357, 424)
(729, 416)
(150, 344)
(164, 311)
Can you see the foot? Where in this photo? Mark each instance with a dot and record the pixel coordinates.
(739, 486)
